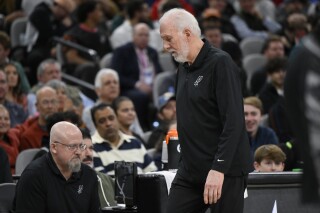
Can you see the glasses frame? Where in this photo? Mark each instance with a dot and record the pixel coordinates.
(73, 147)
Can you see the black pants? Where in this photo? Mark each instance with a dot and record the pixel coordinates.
(186, 197)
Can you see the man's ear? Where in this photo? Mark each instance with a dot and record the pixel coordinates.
(256, 166)
(187, 32)
(97, 90)
(53, 148)
(160, 115)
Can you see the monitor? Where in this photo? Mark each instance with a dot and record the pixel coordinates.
(125, 183)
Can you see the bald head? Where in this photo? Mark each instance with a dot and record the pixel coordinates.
(141, 33)
(46, 90)
(63, 130)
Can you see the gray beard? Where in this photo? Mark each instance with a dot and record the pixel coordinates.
(74, 165)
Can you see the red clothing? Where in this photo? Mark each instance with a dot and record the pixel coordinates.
(11, 146)
(31, 134)
(155, 6)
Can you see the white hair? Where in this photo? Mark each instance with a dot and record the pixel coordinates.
(181, 19)
(104, 72)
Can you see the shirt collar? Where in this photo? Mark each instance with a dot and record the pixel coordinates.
(198, 62)
(53, 166)
(123, 138)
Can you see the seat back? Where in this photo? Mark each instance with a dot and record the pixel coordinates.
(158, 82)
(251, 45)
(166, 62)
(17, 32)
(105, 62)
(252, 63)
(24, 158)
(7, 192)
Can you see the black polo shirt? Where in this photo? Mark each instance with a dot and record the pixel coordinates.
(42, 188)
(210, 117)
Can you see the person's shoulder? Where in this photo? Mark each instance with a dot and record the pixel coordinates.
(88, 171)
(267, 130)
(36, 168)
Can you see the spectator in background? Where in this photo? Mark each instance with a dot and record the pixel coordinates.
(105, 182)
(258, 135)
(158, 5)
(272, 90)
(212, 18)
(87, 34)
(137, 65)
(11, 9)
(296, 26)
(272, 48)
(49, 21)
(50, 69)
(5, 46)
(16, 112)
(5, 174)
(137, 11)
(269, 158)
(61, 90)
(9, 140)
(18, 85)
(249, 23)
(166, 116)
(126, 115)
(110, 144)
(34, 129)
(107, 89)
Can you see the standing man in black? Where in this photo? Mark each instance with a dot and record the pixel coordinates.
(214, 145)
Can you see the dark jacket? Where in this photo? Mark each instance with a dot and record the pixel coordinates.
(125, 62)
(210, 117)
(42, 188)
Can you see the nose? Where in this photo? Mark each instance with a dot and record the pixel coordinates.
(166, 46)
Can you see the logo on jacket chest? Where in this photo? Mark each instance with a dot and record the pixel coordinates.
(80, 189)
(199, 79)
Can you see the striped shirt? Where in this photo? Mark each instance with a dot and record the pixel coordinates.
(129, 149)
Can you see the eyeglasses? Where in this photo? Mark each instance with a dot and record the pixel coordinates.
(73, 147)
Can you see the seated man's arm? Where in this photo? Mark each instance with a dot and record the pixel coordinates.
(30, 194)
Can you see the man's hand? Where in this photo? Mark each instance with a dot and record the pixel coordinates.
(213, 187)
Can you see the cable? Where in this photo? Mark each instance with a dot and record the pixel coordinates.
(104, 196)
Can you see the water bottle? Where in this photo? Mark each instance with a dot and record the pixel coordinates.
(164, 156)
(174, 150)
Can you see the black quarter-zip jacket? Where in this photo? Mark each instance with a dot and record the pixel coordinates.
(210, 118)
(42, 188)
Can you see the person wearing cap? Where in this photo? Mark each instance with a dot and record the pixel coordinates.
(166, 116)
(48, 21)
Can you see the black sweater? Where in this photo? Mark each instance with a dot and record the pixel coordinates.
(42, 188)
(210, 117)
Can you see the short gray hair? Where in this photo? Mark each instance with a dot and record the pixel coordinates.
(182, 19)
(103, 72)
(43, 64)
(56, 84)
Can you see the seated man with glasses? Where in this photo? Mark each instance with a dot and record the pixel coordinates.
(34, 129)
(58, 182)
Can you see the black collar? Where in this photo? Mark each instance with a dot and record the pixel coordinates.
(54, 168)
(200, 57)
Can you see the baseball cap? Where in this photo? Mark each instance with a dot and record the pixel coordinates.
(164, 99)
